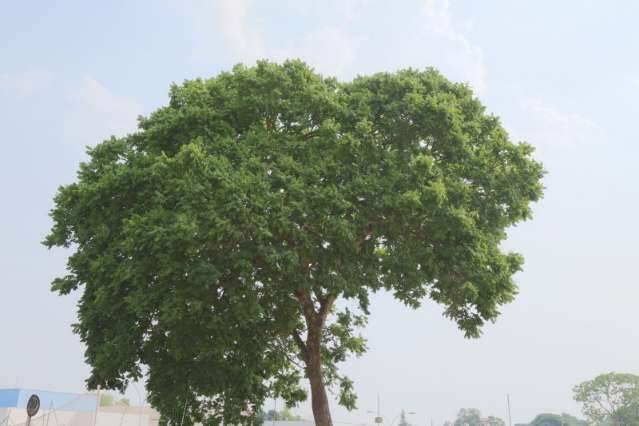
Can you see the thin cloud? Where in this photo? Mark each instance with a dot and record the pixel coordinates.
(97, 113)
(329, 49)
(439, 21)
(550, 125)
(237, 33)
(333, 47)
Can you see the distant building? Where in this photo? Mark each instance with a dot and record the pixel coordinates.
(127, 416)
(491, 421)
(69, 409)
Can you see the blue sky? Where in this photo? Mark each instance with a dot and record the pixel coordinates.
(562, 75)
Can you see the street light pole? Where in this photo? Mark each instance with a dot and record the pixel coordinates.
(397, 417)
(378, 417)
(137, 391)
(97, 406)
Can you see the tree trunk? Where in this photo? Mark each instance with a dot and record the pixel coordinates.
(311, 352)
(319, 398)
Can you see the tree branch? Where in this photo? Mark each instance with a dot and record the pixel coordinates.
(325, 308)
(307, 307)
(309, 135)
(300, 344)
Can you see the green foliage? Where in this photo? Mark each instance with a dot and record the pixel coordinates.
(260, 418)
(468, 417)
(495, 421)
(610, 399)
(109, 400)
(564, 419)
(210, 243)
(285, 415)
(472, 417)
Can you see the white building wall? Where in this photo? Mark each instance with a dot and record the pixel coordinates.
(116, 419)
(129, 417)
(18, 417)
(4, 416)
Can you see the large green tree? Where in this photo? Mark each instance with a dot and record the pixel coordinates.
(610, 399)
(214, 244)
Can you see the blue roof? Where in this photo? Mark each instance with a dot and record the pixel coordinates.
(9, 397)
(62, 401)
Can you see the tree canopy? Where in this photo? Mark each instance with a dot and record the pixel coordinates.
(284, 414)
(472, 417)
(547, 419)
(468, 416)
(610, 399)
(213, 244)
(109, 400)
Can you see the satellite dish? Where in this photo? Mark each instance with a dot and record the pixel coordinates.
(33, 406)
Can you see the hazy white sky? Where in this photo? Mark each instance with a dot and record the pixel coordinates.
(562, 75)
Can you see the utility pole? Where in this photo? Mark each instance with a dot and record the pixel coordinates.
(510, 419)
(379, 419)
(97, 406)
(274, 410)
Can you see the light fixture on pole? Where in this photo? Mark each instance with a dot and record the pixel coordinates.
(397, 417)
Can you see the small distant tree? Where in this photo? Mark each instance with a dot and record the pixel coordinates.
(468, 417)
(548, 419)
(496, 421)
(472, 417)
(109, 400)
(285, 415)
(610, 399)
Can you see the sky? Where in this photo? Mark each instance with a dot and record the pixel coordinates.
(563, 76)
